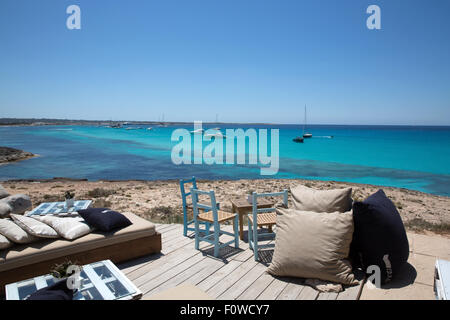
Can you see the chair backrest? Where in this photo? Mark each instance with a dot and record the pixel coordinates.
(255, 197)
(185, 194)
(197, 205)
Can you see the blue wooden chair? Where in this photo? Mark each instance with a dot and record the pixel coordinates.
(215, 217)
(187, 206)
(265, 217)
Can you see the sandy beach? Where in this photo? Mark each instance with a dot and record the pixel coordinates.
(160, 201)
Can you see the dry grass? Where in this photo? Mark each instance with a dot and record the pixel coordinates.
(164, 214)
(100, 192)
(102, 203)
(53, 197)
(418, 224)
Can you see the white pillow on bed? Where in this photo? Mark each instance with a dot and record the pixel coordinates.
(69, 228)
(15, 233)
(4, 242)
(34, 227)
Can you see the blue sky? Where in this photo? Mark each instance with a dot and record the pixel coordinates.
(245, 60)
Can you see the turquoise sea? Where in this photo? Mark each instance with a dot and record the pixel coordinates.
(416, 158)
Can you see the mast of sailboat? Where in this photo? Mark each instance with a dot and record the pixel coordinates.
(304, 123)
(305, 133)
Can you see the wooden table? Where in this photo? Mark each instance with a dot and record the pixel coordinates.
(242, 206)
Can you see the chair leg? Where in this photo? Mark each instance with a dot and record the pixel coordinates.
(255, 242)
(250, 235)
(216, 240)
(185, 222)
(207, 226)
(236, 232)
(197, 235)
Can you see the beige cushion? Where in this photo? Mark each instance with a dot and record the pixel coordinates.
(313, 245)
(69, 228)
(34, 227)
(3, 192)
(15, 233)
(5, 209)
(4, 242)
(308, 199)
(49, 249)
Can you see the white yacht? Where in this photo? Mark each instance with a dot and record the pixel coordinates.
(306, 134)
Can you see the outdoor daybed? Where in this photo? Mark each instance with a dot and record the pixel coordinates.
(21, 262)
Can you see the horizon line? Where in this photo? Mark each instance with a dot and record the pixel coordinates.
(206, 122)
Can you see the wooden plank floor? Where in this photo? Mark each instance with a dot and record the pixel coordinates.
(235, 275)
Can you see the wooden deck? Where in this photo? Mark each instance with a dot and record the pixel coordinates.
(235, 275)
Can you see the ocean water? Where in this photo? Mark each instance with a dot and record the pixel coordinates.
(416, 158)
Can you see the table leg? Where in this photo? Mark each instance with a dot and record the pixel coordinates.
(234, 209)
(241, 225)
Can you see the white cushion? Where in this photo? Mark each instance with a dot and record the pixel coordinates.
(34, 227)
(69, 228)
(15, 233)
(4, 242)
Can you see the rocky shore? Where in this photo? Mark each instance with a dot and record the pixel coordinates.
(10, 155)
(160, 201)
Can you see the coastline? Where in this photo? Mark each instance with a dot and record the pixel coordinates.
(32, 122)
(11, 155)
(160, 200)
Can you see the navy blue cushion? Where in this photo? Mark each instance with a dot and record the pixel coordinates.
(104, 219)
(379, 237)
(56, 291)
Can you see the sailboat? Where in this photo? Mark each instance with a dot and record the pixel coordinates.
(198, 131)
(216, 135)
(306, 134)
(299, 139)
(162, 123)
(216, 122)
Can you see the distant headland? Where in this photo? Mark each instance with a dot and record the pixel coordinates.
(68, 122)
(11, 155)
(10, 122)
